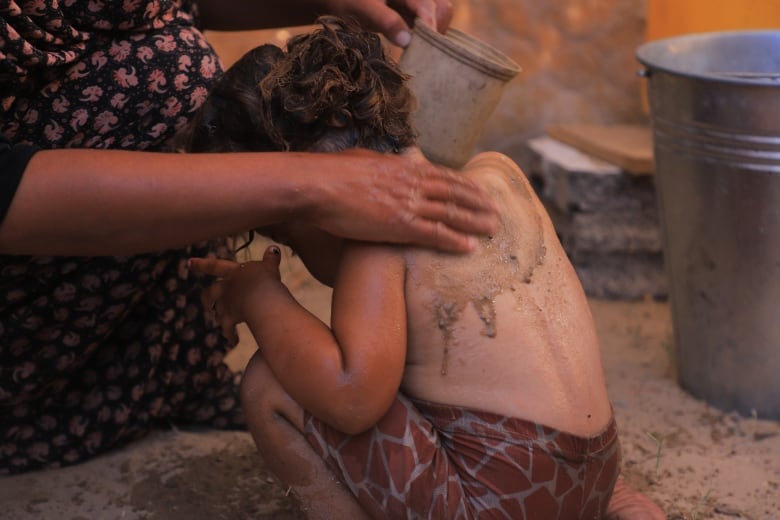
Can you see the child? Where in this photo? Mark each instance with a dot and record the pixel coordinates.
(446, 386)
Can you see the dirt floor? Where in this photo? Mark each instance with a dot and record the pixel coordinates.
(695, 461)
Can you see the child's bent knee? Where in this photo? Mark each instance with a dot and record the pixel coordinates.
(263, 398)
(258, 383)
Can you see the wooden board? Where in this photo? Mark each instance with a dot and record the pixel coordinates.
(628, 146)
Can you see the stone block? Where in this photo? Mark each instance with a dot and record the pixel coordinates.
(615, 231)
(622, 276)
(606, 219)
(575, 181)
(554, 165)
(608, 231)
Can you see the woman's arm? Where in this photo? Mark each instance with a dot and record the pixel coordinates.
(347, 375)
(375, 15)
(111, 202)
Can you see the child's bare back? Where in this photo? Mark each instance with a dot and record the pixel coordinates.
(506, 329)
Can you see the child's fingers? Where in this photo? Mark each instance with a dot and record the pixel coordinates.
(229, 331)
(209, 296)
(272, 256)
(212, 266)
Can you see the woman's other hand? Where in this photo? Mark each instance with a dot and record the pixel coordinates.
(238, 286)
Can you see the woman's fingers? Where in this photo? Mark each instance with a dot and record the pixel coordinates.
(424, 10)
(389, 18)
(405, 199)
(394, 17)
(433, 229)
(436, 14)
(438, 235)
(446, 210)
(450, 192)
(444, 14)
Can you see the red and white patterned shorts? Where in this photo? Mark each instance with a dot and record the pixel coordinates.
(427, 460)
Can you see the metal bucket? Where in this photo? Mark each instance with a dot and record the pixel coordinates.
(715, 107)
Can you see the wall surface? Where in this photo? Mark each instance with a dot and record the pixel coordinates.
(578, 60)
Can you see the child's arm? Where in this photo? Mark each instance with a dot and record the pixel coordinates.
(348, 375)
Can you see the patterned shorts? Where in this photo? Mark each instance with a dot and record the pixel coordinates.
(426, 460)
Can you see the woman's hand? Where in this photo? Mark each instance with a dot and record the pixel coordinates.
(399, 199)
(231, 296)
(393, 18)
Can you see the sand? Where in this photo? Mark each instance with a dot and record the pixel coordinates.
(696, 461)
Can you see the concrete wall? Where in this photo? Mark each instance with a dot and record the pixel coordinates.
(577, 58)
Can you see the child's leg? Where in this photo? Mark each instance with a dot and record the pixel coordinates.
(401, 467)
(275, 421)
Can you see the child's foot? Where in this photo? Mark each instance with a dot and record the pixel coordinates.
(629, 504)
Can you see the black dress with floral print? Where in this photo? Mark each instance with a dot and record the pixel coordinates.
(94, 352)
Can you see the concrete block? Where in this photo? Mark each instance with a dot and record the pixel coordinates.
(622, 276)
(610, 231)
(575, 181)
(606, 219)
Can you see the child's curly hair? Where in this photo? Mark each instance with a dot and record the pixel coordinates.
(332, 89)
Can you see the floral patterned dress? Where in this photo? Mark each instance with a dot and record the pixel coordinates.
(96, 351)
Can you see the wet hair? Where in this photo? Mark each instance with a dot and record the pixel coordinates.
(331, 89)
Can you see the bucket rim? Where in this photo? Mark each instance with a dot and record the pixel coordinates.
(648, 55)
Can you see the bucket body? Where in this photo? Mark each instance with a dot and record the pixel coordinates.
(458, 81)
(715, 108)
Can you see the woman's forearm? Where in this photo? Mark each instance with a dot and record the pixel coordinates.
(111, 202)
(108, 202)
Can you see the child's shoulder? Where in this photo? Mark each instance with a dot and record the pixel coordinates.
(499, 173)
(495, 160)
(495, 163)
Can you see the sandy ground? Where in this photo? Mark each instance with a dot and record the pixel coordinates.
(695, 461)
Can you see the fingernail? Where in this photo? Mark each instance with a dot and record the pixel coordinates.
(275, 250)
(403, 38)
